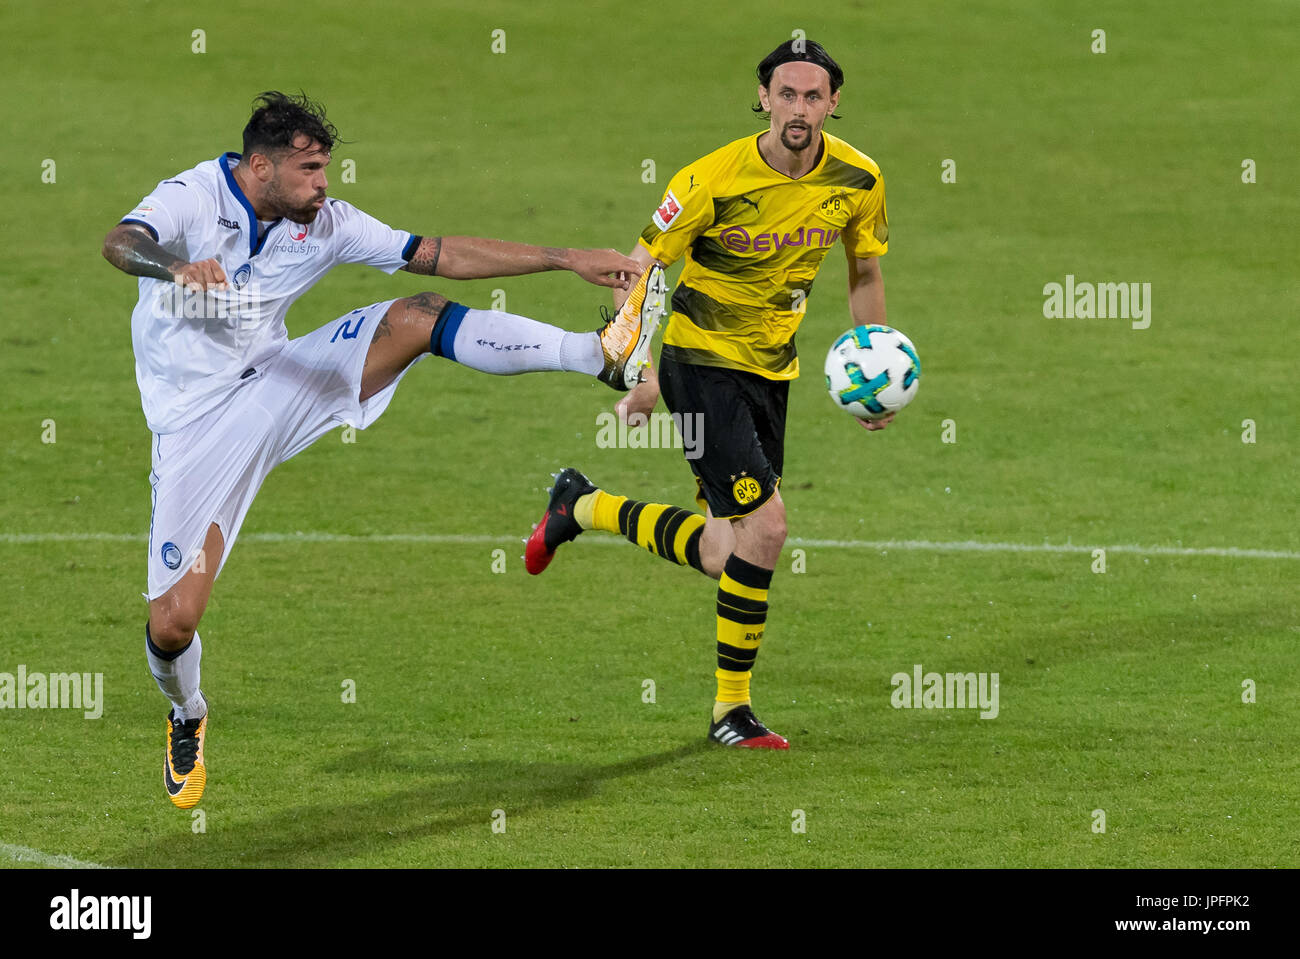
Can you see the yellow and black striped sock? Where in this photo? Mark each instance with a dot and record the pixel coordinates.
(667, 531)
(742, 614)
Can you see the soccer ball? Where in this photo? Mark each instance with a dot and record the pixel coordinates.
(872, 371)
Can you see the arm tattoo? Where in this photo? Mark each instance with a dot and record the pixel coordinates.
(133, 251)
(384, 329)
(425, 259)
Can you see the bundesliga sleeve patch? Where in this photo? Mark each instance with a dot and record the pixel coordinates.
(667, 212)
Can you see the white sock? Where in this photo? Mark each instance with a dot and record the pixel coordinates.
(581, 353)
(178, 677)
(506, 344)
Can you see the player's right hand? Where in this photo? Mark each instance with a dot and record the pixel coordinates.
(201, 276)
(605, 268)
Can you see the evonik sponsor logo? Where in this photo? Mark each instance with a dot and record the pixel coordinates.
(738, 240)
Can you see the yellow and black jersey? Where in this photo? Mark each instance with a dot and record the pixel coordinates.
(754, 240)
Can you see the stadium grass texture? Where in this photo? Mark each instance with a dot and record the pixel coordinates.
(479, 691)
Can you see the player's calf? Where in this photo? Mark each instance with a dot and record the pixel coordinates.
(490, 341)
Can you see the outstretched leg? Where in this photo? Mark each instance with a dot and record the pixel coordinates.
(486, 340)
(506, 344)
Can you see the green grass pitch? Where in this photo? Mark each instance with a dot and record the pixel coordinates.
(478, 691)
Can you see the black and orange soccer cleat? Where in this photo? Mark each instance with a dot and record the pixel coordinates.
(740, 727)
(184, 774)
(557, 525)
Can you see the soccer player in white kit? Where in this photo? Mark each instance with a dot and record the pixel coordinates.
(222, 251)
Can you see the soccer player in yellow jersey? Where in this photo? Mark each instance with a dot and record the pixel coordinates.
(754, 220)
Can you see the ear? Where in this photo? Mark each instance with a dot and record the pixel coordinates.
(763, 100)
(835, 101)
(262, 167)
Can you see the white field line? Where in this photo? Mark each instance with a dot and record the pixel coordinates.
(913, 545)
(23, 854)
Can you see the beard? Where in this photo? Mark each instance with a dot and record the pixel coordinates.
(282, 205)
(793, 145)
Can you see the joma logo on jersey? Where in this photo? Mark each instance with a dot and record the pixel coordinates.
(228, 224)
(668, 211)
(738, 240)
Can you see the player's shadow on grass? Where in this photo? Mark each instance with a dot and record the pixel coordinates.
(444, 797)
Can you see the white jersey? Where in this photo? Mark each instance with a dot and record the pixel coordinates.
(192, 349)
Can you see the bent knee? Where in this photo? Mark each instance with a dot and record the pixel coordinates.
(771, 527)
(174, 629)
(422, 308)
(761, 535)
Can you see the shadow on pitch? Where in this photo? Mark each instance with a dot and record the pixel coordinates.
(443, 797)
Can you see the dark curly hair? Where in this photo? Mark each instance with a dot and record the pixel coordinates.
(279, 118)
(809, 51)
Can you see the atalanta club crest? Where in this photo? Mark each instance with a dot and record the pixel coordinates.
(241, 276)
(171, 555)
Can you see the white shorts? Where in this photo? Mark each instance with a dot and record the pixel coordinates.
(209, 471)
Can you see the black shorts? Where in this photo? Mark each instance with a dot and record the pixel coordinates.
(742, 416)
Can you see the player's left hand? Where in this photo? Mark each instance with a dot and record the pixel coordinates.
(605, 268)
(880, 424)
(640, 402)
